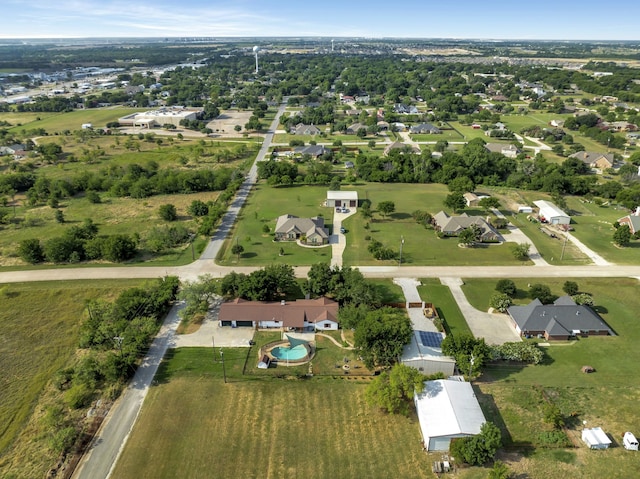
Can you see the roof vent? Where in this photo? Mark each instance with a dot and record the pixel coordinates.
(283, 302)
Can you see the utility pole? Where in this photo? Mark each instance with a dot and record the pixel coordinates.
(401, 243)
(224, 370)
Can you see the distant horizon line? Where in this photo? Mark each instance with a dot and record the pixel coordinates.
(328, 38)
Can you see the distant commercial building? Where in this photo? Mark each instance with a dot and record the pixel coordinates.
(161, 116)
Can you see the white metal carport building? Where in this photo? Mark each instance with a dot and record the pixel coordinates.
(446, 410)
(551, 213)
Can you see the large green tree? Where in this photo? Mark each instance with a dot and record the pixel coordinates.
(480, 449)
(393, 390)
(382, 335)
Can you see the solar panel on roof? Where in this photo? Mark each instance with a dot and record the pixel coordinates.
(430, 339)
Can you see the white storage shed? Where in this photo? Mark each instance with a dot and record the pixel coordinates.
(342, 198)
(551, 213)
(595, 438)
(446, 410)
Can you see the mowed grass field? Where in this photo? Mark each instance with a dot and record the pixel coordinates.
(73, 120)
(39, 327)
(193, 425)
(263, 207)
(512, 396)
(421, 246)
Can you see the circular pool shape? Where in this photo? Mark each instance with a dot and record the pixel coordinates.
(284, 353)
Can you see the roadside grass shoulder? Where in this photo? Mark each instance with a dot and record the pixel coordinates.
(40, 327)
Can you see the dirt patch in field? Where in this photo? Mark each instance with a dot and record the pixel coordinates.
(228, 119)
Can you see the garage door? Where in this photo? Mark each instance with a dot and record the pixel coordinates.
(226, 323)
(244, 324)
(439, 443)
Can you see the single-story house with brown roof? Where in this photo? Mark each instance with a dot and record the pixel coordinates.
(303, 314)
(594, 159)
(632, 221)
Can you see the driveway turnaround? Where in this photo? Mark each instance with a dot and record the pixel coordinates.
(494, 328)
(518, 236)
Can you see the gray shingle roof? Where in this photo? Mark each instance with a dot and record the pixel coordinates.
(560, 318)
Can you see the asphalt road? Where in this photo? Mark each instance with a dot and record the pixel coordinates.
(111, 439)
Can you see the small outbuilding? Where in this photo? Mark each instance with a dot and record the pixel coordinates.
(551, 214)
(447, 410)
(596, 438)
(342, 198)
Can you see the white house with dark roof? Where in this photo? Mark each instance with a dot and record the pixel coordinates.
(454, 225)
(425, 128)
(301, 129)
(558, 321)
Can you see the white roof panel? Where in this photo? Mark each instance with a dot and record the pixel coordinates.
(448, 408)
(342, 195)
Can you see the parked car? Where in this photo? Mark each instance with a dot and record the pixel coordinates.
(342, 230)
(338, 209)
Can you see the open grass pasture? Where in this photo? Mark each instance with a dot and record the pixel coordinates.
(73, 120)
(21, 119)
(39, 327)
(514, 396)
(421, 246)
(267, 428)
(112, 216)
(594, 227)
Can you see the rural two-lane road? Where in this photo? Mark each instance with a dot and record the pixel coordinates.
(112, 437)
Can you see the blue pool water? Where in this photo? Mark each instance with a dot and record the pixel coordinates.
(283, 353)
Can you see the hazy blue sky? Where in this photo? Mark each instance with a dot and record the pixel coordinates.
(541, 19)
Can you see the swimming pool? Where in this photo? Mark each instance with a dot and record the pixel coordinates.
(284, 353)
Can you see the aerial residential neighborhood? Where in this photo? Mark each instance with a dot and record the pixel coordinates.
(326, 255)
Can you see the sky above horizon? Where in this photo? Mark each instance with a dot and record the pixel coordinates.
(498, 19)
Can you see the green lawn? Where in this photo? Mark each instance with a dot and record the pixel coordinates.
(512, 395)
(421, 246)
(432, 291)
(55, 123)
(40, 323)
(594, 227)
(263, 206)
(268, 428)
(551, 249)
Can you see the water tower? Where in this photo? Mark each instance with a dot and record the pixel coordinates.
(255, 52)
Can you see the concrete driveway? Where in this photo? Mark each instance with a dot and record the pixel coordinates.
(338, 240)
(494, 328)
(517, 236)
